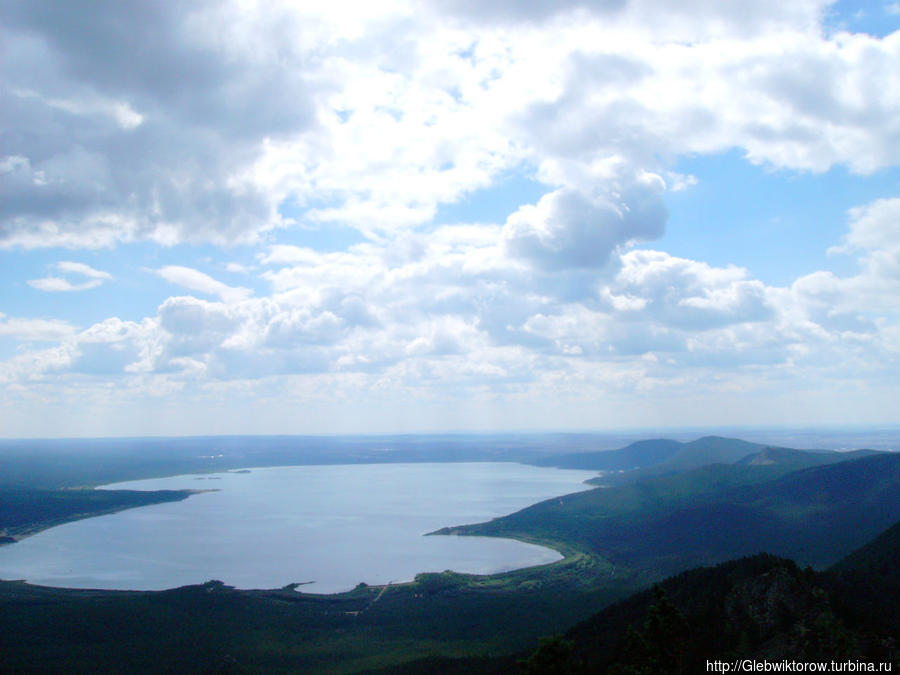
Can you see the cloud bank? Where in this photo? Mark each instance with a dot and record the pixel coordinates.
(238, 126)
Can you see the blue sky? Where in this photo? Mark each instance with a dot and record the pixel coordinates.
(228, 218)
(736, 205)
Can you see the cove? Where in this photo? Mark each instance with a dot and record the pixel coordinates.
(334, 526)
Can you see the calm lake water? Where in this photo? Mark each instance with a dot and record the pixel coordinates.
(333, 525)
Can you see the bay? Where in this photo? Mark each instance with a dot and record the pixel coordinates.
(334, 526)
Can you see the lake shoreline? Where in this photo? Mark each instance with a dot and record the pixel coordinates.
(476, 480)
(15, 534)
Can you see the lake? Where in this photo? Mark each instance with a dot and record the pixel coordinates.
(335, 526)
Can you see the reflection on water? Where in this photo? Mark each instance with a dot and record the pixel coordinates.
(333, 525)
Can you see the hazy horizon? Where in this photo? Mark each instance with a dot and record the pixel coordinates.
(835, 437)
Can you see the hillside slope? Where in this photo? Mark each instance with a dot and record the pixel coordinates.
(710, 450)
(638, 454)
(657, 457)
(659, 527)
(761, 608)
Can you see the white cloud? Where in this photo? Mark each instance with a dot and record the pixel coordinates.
(567, 229)
(140, 137)
(35, 365)
(56, 284)
(120, 111)
(687, 293)
(459, 310)
(177, 123)
(82, 269)
(59, 284)
(696, 19)
(399, 318)
(35, 330)
(374, 120)
(196, 280)
(873, 226)
(428, 328)
(874, 235)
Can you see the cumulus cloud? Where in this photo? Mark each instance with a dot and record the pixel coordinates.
(196, 280)
(366, 312)
(694, 17)
(873, 226)
(456, 313)
(687, 293)
(874, 237)
(567, 229)
(35, 330)
(799, 101)
(198, 122)
(144, 121)
(59, 284)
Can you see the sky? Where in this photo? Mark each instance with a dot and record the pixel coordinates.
(251, 217)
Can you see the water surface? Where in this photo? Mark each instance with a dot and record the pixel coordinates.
(335, 526)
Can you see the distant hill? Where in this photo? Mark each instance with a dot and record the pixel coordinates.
(663, 454)
(638, 454)
(800, 459)
(658, 527)
(659, 456)
(718, 450)
(710, 450)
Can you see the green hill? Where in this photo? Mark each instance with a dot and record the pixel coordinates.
(710, 450)
(722, 451)
(760, 608)
(661, 526)
(801, 459)
(649, 459)
(866, 585)
(661, 455)
(638, 454)
(879, 556)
